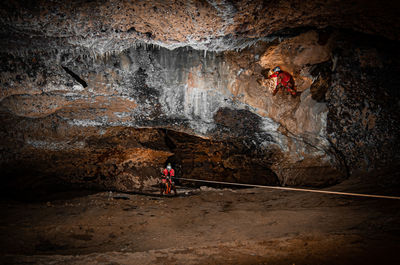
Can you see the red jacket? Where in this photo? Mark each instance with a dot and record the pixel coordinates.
(171, 173)
(283, 78)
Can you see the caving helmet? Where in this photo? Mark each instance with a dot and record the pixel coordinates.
(276, 69)
(169, 167)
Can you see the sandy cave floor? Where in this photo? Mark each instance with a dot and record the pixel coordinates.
(211, 226)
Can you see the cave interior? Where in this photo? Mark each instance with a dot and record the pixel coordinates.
(97, 97)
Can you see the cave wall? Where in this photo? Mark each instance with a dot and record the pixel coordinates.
(206, 94)
(107, 105)
(363, 102)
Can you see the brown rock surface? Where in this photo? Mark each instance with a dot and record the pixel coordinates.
(115, 25)
(212, 95)
(78, 74)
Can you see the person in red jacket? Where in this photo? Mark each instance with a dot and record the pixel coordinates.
(284, 80)
(167, 175)
(169, 171)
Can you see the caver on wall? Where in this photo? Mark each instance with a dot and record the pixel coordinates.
(75, 115)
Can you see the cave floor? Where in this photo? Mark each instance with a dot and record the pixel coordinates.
(213, 226)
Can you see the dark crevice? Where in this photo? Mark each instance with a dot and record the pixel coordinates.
(340, 157)
(131, 30)
(168, 141)
(75, 76)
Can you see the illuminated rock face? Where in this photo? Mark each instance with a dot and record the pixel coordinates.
(105, 26)
(73, 114)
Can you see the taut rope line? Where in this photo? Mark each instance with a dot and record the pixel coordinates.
(294, 189)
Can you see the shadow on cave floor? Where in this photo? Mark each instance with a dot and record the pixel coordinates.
(57, 191)
(37, 197)
(46, 193)
(68, 192)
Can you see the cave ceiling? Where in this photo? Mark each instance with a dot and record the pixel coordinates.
(105, 26)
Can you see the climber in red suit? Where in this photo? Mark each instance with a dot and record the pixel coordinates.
(166, 180)
(284, 80)
(169, 171)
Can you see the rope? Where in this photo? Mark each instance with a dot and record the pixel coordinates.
(294, 189)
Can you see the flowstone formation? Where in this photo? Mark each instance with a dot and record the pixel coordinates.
(107, 105)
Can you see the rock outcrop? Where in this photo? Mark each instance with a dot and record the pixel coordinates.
(103, 101)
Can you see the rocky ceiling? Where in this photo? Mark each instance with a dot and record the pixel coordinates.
(105, 26)
(104, 93)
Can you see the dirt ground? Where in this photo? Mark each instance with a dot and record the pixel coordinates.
(205, 226)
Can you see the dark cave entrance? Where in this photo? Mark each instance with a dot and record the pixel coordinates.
(228, 160)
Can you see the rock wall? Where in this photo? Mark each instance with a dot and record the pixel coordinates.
(363, 102)
(111, 121)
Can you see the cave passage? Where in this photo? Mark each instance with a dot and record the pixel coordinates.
(97, 97)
